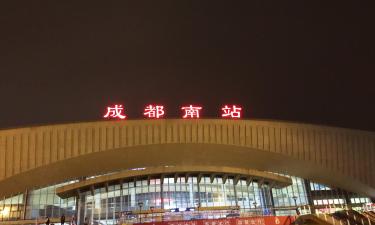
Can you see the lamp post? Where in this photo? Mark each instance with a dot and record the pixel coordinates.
(152, 213)
(295, 204)
(140, 204)
(255, 207)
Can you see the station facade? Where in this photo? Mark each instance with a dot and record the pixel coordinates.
(105, 171)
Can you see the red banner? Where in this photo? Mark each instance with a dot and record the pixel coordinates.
(266, 220)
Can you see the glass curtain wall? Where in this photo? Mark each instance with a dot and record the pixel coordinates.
(182, 193)
(328, 199)
(12, 208)
(44, 202)
(291, 196)
(173, 193)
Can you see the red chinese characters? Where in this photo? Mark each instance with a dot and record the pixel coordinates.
(154, 111)
(117, 111)
(231, 112)
(191, 111)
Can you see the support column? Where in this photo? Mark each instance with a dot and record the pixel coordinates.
(235, 193)
(80, 206)
(272, 202)
(309, 195)
(191, 194)
(265, 198)
(25, 202)
(268, 199)
(199, 192)
(347, 199)
(162, 192)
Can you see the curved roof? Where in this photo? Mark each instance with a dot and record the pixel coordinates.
(38, 156)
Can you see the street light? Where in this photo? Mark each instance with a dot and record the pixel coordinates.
(140, 204)
(152, 213)
(295, 204)
(255, 206)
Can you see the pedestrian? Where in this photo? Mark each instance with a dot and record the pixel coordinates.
(47, 220)
(73, 220)
(86, 222)
(62, 219)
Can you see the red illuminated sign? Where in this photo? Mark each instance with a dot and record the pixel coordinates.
(152, 111)
(231, 112)
(191, 111)
(115, 112)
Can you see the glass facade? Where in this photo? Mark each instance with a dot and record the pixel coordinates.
(178, 193)
(174, 193)
(293, 195)
(39, 204)
(44, 202)
(12, 208)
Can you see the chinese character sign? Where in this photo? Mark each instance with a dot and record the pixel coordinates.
(191, 111)
(231, 112)
(154, 111)
(117, 111)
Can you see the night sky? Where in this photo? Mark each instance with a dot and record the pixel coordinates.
(304, 61)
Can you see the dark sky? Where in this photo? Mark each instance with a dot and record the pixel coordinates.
(307, 61)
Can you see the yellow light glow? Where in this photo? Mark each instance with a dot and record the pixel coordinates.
(5, 211)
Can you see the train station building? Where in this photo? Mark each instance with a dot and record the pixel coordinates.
(106, 171)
